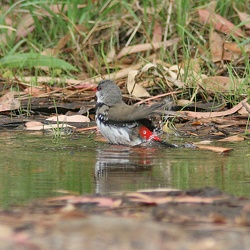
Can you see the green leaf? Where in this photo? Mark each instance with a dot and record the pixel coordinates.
(29, 60)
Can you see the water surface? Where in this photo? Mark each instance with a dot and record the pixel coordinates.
(33, 166)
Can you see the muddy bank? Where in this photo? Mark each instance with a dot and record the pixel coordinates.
(162, 219)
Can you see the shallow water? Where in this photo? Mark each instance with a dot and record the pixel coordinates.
(33, 166)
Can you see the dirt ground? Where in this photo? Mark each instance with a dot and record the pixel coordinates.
(153, 219)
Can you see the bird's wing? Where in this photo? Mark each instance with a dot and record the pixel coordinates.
(125, 113)
(112, 116)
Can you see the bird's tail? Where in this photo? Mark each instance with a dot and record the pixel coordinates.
(166, 144)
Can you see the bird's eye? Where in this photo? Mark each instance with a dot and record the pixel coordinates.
(99, 88)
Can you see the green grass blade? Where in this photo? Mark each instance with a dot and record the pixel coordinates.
(29, 60)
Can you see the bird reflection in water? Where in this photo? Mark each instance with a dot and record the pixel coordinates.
(121, 168)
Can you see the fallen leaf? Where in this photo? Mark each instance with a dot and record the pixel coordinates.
(62, 42)
(148, 66)
(27, 24)
(220, 84)
(72, 118)
(232, 51)
(246, 106)
(244, 17)
(214, 149)
(111, 55)
(183, 102)
(8, 102)
(123, 73)
(219, 23)
(177, 69)
(47, 79)
(214, 114)
(33, 124)
(134, 88)
(100, 201)
(233, 138)
(203, 142)
(232, 46)
(86, 129)
(245, 110)
(157, 32)
(147, 199)
(193, 64)
(34, 91)
(49, 127)
(225, 121)
(145, 47)
(216, 46)
(158, 190)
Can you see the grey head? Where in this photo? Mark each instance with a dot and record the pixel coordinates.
(108, 92)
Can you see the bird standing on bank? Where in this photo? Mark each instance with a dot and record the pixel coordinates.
(124, 124)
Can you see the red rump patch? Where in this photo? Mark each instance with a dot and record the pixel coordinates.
(147, 134)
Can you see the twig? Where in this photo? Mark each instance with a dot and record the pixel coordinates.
(86, 129)
(159, 96)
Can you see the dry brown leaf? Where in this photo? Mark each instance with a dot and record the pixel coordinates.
(111, 55)
(223, 122)
(50, 52)
(145, 47)
(197, 123)
(245, 110)
(203, 142)
(178, 71)
(219, 23)
(233, 138)
(134, 88)
(48, 127)
(216, 46)
(148, 66)
(147, 199)
(233, 51)
(100, 201)
(244, 17)
(8, 102)
(123, 73)
(220, 84)
(34, 91)
(232, 46)
(72, 118)
(214, 149)
(214, 114)
(171, 73)
(157, 32)
(47, 79)
(147, 83)
(183, 102)
(193, 64)
(33, 124)
(62, 42)
(27, 24)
